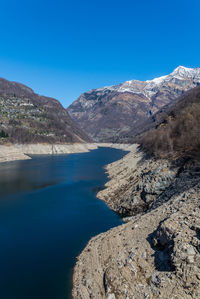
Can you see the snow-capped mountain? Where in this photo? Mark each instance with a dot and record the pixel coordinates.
(150, 87)
(105, 113)
(182, 72)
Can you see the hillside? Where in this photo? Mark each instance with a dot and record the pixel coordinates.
(26, 117)
(109, 114)
(176, 129)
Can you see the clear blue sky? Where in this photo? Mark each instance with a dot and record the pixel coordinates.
(62, 48)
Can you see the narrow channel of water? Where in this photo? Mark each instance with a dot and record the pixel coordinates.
(48, 212)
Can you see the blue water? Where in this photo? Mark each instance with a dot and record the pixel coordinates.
(48, 212)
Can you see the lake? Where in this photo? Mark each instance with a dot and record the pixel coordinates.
(48, 213)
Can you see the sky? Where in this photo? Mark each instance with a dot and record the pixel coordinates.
(63, 48)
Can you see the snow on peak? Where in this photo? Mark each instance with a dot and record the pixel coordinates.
(180, 67)
(150, 87)
(182, 72)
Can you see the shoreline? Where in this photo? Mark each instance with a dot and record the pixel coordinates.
(118, 178)
(14, 152)
(155, 254)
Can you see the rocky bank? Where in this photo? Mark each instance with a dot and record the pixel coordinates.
(156, 254)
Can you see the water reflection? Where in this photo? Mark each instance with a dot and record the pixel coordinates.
(42, 171)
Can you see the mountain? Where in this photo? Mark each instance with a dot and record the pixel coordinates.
(26, 117)
(110, 113)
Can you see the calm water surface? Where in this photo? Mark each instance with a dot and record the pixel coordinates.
(48, 212)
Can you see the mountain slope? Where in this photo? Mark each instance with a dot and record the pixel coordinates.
(110, 113)
(27, 117)
(175, 130)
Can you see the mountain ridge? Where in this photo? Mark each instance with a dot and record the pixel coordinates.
(108, 113)
(135, 86)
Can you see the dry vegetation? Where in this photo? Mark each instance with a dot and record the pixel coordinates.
(178, 132)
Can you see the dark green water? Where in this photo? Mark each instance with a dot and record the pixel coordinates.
(48, 212)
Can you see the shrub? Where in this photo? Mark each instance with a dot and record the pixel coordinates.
(3, 134)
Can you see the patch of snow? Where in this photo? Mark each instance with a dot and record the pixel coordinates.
(157, 80)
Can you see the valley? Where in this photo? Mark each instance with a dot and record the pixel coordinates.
(153, 187)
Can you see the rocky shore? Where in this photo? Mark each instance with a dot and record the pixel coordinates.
(156, 254)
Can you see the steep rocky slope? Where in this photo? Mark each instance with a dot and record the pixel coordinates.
(27, 117)
(110, 113)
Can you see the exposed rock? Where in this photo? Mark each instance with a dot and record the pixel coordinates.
(135, 183)
(157, 253)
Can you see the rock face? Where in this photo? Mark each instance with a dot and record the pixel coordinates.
(157, 253)
(30, 118)
(108, 114)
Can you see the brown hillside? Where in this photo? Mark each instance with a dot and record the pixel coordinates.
(177, 131)
(28, 118)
